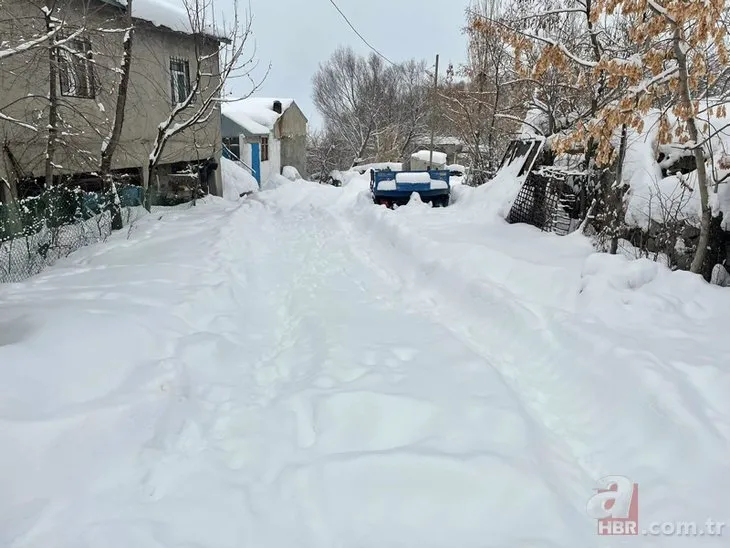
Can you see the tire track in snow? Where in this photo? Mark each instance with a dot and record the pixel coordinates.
(542, 356)
(325, 264)
(569, 477)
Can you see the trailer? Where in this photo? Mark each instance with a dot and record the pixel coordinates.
(391, 188)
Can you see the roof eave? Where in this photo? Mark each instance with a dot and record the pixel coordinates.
(165, 28)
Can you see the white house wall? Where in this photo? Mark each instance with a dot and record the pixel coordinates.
(273, 165)
(268, 168)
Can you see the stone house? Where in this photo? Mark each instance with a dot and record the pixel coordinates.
(164, 64)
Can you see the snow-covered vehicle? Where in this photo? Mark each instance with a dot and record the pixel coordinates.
(396, 187)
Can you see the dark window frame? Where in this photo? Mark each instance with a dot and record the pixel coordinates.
(264, 149)
(76, 68)
(233, 144)
(180, 85)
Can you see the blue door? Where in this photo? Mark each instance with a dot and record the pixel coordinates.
(256, 161)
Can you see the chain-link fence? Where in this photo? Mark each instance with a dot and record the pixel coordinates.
(35, 232)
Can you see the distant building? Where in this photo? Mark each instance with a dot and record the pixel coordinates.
(453, 147)
(265, 135)
(425, 159)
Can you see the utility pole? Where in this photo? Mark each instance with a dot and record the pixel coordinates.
(433, 112)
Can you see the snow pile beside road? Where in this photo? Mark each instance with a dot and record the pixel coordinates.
(236, 180)
(495, 198)
(274, 182)
(291, 173)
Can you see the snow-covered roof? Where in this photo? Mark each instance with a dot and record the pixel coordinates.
(255, 115)
(171, 14)
(441, 140)
(425, 156)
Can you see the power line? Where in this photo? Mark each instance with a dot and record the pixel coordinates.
(358, 33)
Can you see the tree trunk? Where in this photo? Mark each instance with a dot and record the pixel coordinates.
(52, 100)
(495, 107)
(109, 148)
(686, 101)
(363, 147)
(151, 176)
(618, 192)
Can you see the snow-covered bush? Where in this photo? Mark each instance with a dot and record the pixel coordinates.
(291, 173)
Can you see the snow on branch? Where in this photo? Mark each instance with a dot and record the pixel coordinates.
(661, 78)
(17, 122)
(551, 12)
(519, 120)
(554, 43)
(30, 44)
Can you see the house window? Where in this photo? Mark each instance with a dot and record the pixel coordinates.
(232, 144)
(179, 79)
(264, 149)
(76, 69)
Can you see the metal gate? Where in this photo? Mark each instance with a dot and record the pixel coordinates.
(547, 201)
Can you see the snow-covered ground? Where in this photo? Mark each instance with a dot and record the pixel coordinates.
(303, 368)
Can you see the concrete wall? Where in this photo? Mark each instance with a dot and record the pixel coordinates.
(292, 123)
(294, 153)
(89, 120)
(291, 129)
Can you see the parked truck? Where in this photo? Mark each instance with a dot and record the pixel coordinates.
(391, 188)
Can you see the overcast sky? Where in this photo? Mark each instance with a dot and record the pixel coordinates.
(296, 35)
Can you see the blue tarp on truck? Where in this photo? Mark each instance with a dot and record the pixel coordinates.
(395, 187)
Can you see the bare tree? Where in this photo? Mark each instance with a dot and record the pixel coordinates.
(110, 144)
(51, 25)
(220, 54)
(55, 49)
(373, 109)
(484, 98)
(347, 101)
(407, 121)
(22, 44)
(648, 55)
(324, 154)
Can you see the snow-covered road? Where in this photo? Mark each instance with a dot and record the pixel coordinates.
(306, 369)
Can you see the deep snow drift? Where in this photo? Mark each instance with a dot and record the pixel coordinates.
(303, 368)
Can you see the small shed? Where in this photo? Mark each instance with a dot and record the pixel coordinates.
(265, 134)
(422, 160)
